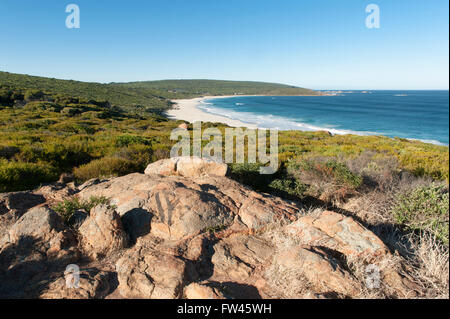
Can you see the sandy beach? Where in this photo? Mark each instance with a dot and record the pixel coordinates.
(187, 110)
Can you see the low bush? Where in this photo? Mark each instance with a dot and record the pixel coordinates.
(31, 95)
(8, 151)
(160, 153)
(40, 106)
(106, 167)
(425, 208)
(68, 207)
(17, 176)
(288, 187)
(62, 155)
(326, 178)
(127, 140)
(248, 174)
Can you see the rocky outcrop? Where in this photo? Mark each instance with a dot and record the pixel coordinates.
(177, 207)
(184, 230)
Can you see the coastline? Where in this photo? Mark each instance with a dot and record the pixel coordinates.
(187, 110)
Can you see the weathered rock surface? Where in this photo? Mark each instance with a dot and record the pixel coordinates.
(320, 270)
(238, 257)
(337, 232)
(102, 232)
(43, 226)
(183, 230)
(19, 201)
(175, 207)
(92, 284)
(187, 166)
(34, 250)
(146, 273)
(202, 291)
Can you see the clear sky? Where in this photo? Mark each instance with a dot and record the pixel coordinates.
(320, 44)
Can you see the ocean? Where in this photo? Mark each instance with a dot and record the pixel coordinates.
(420, 115)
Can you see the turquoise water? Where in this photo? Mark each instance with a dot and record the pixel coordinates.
(421, 115)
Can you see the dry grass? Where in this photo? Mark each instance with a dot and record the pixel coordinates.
(418, 263)
(429, 266)
(419, 257)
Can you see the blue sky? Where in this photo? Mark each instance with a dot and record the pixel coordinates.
(320, 44)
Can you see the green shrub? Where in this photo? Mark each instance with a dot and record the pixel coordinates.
(105, 167)
(290, 186)
(41, 106)
(5, 97)
(74, 128)
(141, 155)
(248, 174)
(327, 169)
(33, 95)
(70, 111)
(425, 208)
(68, 207)
(8, 151)
(64, 156)
(126, 140)
(17, 176)
(343, 175)
(326, 178)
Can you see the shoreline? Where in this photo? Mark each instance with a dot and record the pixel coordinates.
(188, 110)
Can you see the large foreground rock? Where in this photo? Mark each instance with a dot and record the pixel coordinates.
(181, 231)
(178, 207)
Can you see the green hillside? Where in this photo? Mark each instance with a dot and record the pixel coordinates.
(142, 96)
(192, 88)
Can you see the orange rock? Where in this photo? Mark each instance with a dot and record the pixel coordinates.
(198, 291)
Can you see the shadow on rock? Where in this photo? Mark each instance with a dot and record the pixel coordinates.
(25, 271)
(136, 223)
(236, 290)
